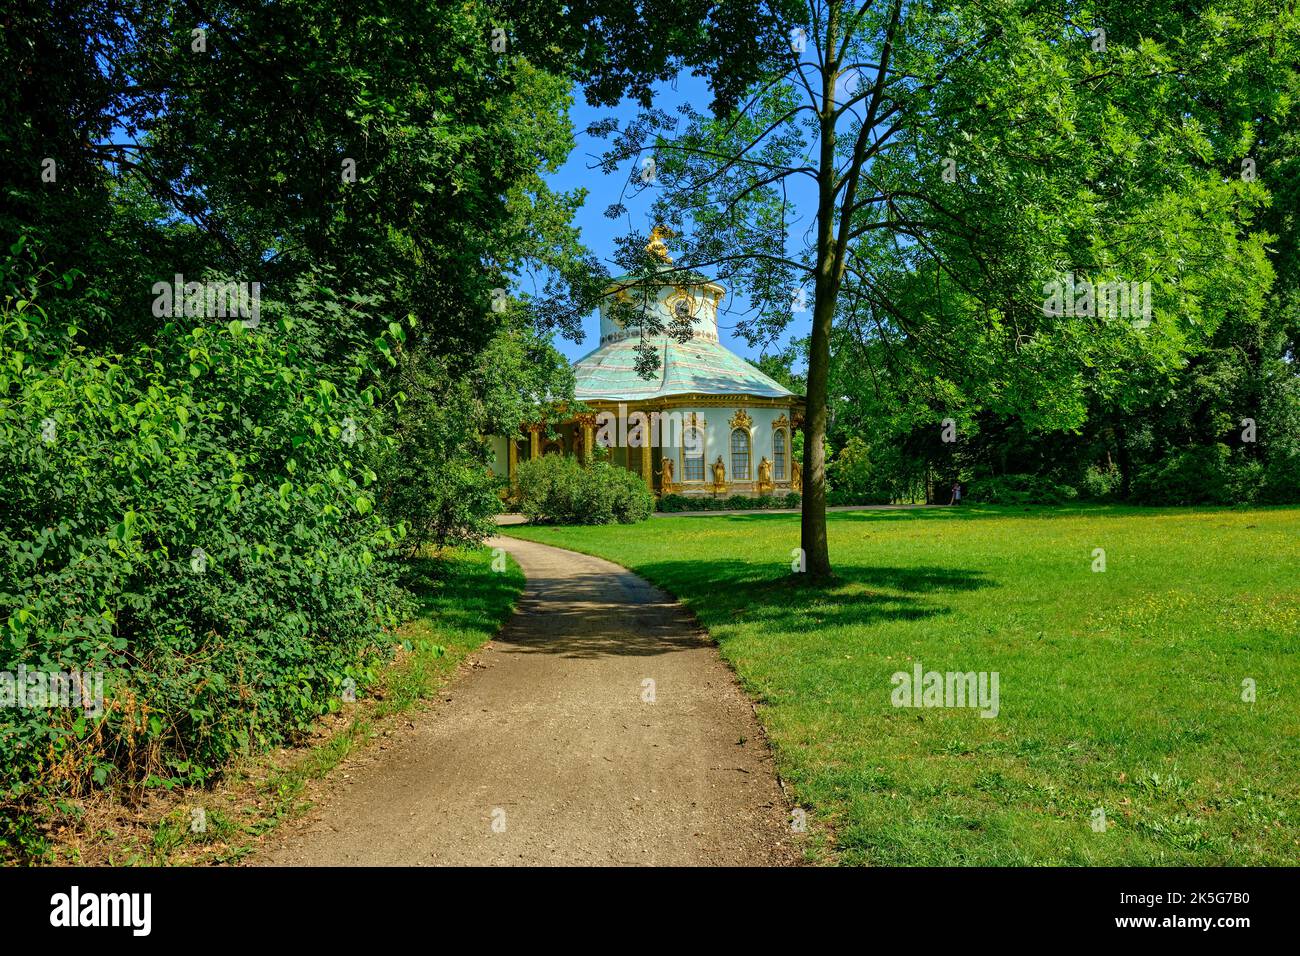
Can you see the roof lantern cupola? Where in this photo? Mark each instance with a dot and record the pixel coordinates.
(682, 296)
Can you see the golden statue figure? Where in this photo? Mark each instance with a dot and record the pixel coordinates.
(765, 485)
(656, 246)
(796, 476)
(719, 476)
(666, 482)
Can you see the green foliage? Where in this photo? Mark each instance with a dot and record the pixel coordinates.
(434, 475)
(1281, 481)
(558, 489)
(929, 339)
(674, 503)
(1100, 483)
(390, 143)
(1018, 490)
(1206, 475)
(640, 42)
(856, 478)
(967, 158)
(190, 519)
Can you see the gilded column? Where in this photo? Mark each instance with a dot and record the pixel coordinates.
(796, 465)
(588, 423)
(535, 441)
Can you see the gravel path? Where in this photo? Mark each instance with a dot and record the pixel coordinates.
(600, 728)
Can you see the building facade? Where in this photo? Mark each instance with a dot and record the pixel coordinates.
(705, 423)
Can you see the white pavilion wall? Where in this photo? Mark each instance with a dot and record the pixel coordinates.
(500, 463)
(717, 441)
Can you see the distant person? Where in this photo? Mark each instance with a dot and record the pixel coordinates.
(956, 493)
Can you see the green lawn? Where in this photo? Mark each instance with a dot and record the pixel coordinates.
(1119, 690)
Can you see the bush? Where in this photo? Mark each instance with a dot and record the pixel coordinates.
(556, 489)
(1019, 490)
(189, 520)
(1204, 475)
(1100, 484)
(838, 497)
(673, 503)
(853, 477)
(435, 475)
(1281, 481)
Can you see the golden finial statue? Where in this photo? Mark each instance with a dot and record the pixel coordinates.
(656, 245)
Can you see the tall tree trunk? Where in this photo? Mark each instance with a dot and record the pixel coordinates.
(813, 529)
(813, 523)
(1125, 461)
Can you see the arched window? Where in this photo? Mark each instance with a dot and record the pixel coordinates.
(739, 455)
(778, 454)
(692, 454)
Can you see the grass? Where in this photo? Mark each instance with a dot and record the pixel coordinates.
(462, 603)
(1120, 690)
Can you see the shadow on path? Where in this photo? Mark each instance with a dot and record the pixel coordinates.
(591, 609)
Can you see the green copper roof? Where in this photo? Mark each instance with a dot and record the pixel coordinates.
(697, 367)
(676, 277)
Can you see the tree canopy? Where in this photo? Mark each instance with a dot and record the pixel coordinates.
(933, 171)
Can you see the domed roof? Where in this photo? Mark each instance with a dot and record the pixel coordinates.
(697, 367)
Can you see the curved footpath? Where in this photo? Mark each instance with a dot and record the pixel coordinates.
(554, 747)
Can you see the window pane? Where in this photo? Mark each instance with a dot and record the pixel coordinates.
(778, 454)
(693, 464)
(740, 455)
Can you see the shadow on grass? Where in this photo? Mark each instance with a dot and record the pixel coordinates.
(930, 513)
(458, 589)
(591, 613)
(860, 596)
(969, 511)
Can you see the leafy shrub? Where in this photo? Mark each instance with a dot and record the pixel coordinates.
(1206, 474)
(556, 489)
(434, 474)
(1281, 481)
(1100, 484)
(190, 520)
(837, 497)
(853, 477)
(1019, 490)
(673, 503)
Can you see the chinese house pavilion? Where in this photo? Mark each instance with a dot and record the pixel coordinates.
(705, 423)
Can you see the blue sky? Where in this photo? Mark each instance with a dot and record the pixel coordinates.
(599, 233)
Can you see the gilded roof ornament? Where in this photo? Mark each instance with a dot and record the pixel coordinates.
(656, 246)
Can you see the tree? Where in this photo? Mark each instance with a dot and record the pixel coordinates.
(208, 512)
(369, 166)
(954, 161)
